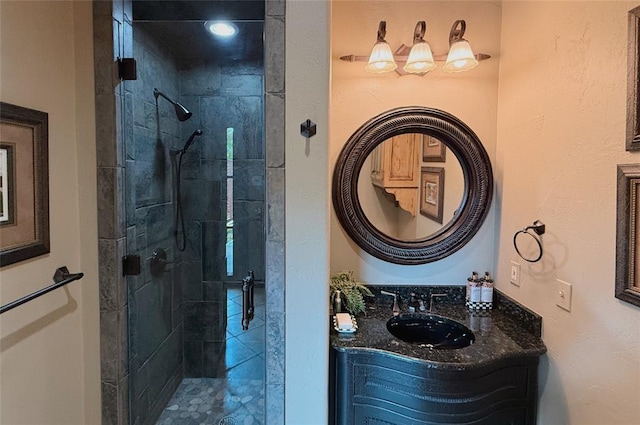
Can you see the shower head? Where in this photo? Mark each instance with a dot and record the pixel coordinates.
(182, 112)
(190, 140)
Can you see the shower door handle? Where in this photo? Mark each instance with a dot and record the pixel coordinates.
(248, 283)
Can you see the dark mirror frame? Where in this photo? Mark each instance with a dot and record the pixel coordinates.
(477, 194)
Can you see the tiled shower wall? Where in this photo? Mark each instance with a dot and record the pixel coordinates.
(112, 40)
(155, 301)
(221, 95)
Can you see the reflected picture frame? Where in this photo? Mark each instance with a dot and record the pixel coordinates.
(432, 192)
(627, 286)
(24, 184)
(433, 150)
(633, 84)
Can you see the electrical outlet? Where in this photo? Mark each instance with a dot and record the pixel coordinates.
(515, 273)
(563, 295)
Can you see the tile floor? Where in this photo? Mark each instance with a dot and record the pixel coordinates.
(235, 396)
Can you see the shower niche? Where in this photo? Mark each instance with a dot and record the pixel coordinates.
(194, 171)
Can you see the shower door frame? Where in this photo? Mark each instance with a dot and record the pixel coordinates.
(112, 21)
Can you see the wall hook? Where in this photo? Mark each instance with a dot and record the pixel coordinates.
(308, 129)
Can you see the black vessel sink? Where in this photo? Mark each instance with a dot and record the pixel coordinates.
(430, 331)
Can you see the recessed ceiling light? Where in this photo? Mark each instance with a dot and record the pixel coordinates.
(221, 28)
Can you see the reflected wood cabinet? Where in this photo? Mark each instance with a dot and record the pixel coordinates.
(371, 387)
(395, 168)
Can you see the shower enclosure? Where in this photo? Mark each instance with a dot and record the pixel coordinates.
(197, 105)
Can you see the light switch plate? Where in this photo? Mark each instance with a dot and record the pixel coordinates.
(563, 295)
(515, 273)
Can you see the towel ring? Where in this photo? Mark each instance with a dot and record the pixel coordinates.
(538, 229)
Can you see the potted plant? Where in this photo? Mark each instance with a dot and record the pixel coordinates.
(351, 292)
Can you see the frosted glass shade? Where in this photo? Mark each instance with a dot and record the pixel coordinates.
(460, 57)
(381, 59)
(420, 59)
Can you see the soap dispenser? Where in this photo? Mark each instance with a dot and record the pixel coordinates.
(337, 302)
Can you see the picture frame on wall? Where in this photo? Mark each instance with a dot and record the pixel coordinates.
(432, 192)
(627, 286)
(633, 85)
(433, 150)
(24, 183)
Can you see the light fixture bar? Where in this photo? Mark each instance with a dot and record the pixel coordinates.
(459, 58)
(402, 54)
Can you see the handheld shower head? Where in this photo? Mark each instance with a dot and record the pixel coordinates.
(190, 140)
(182, 113)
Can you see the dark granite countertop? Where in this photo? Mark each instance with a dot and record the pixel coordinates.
(508, 331)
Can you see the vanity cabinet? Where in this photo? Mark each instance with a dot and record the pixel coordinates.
(376, 387)
(395, 168)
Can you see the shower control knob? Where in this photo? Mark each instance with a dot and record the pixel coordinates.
(308, 129)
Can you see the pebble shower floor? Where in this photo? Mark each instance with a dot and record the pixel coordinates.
(238, 398)
(214, 401)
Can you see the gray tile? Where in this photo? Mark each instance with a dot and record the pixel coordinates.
(130, 192)
(204, 321)
(248, 182)
(213, 170)
(199, 77)
(123, 346)
(214, 291)
(106, 129)
(190, 277)
(274, 349)
(241, 85)
(108, 272)
(152, 305)
(274, 54)
(120, 280)
(138, 378)
(123, 401)
(248, 210)
(164, 363)
(274, 404)
(193, 358)
(274, 286)
(275, 7)
(106, 203)
(159, 221)
(275, 130)
(275, 204)
(109, 404)
(109, 347)
(248, 248)
(214, 236)
(201, 200)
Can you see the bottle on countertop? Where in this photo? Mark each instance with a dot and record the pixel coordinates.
(470, 283)
(337, 302)
(486, 295)
(413, 303)
(476, 289)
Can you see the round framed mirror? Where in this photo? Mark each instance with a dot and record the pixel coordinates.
(387, 160)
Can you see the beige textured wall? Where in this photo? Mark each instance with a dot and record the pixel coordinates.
(357, 96)
(49, 349)
(561, 131)
(307, 214)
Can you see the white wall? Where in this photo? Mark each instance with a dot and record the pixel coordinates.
(561, 132)
(356, 96)
(49, 347)
(307, 216)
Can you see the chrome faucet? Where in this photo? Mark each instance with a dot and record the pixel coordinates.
(396, 308)
(432, 299)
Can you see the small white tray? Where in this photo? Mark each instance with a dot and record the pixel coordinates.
(345, 331)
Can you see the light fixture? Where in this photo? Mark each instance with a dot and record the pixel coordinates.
(221, 28)
(381, 58)
(461, 57)
(420, 59)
